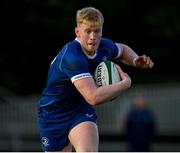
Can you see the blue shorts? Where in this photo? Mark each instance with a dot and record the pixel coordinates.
(55, 138)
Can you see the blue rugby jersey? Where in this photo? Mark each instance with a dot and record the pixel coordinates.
(70, 65)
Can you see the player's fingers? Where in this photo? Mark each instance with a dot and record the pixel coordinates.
(124, 76)
(147, 60)
(151, 65)
(127, 80)
(141, 59)
(119, 68)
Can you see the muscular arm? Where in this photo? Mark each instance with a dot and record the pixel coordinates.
(130, 57)
(98, 95)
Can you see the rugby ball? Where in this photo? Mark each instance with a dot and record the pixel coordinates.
(106, 73)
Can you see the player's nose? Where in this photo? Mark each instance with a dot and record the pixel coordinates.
(92, 35)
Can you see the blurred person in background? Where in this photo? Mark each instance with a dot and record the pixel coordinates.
(140, 126)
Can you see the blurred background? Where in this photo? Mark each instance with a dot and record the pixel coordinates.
(33, 32)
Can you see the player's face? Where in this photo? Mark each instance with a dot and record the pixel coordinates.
(89, 35)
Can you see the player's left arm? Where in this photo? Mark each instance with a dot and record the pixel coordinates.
(130, 57)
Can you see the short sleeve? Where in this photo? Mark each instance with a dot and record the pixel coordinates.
(74, 65)
(113, 49)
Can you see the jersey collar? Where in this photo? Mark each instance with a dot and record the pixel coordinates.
(88, 56)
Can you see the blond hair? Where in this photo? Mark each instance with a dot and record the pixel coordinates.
(89, 14)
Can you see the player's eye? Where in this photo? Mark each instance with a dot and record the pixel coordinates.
(97, 31)
(88, 31)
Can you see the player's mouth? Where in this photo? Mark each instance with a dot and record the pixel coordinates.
(92, 45)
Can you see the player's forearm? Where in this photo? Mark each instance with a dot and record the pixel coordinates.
(128, 55)
(106, 93)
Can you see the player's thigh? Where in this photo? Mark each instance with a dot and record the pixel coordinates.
(84, 137)
(67, 148)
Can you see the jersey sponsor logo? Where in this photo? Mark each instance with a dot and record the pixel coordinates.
(98, 78)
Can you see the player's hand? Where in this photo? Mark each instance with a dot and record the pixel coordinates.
(124, 77)
(144, 62)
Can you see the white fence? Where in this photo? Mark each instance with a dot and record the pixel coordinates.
(19, 126)
(163, 100)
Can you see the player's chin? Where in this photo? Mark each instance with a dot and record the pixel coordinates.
(92, 50)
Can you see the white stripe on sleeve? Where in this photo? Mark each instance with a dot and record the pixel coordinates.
(119, 50)
(80, 76)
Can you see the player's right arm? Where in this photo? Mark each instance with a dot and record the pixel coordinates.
(98, 95)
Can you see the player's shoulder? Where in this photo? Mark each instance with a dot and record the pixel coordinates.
(106, 42)
(73, 45)
(71, 49)
(72, 52)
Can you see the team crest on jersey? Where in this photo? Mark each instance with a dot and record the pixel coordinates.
(104, 58)
(45, 141)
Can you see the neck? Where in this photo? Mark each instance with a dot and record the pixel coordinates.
(85, 51)
(89, 53)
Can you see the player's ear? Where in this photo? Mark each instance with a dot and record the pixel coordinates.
(77, 31)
